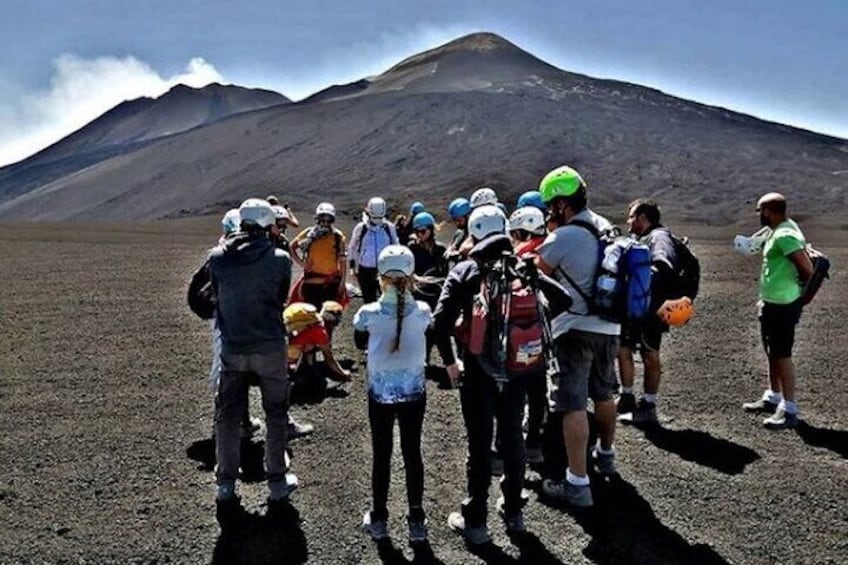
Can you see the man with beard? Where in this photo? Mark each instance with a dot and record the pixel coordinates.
(786, 268)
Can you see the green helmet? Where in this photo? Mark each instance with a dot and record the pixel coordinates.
(562, 181)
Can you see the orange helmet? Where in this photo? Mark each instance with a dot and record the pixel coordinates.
(676, 312)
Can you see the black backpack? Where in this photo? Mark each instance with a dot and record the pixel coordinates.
(688, 271)
(201, 295)
(821, 271)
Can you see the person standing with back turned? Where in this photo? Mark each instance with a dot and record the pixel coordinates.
(786, 267)
(251, 280)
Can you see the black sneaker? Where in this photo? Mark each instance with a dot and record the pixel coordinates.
(626, 403)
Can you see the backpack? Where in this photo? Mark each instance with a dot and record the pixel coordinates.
(688, 269)
(821, 271)
(363, 229)
(201, 295)
(621, 289)
(507, 330)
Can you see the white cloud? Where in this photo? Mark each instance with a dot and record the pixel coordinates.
(79, 91)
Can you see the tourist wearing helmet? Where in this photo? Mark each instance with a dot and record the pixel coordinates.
(403, 222)
(369, 237)
(251, 281)
(431, 267)
(483, 197)
(531, 198)
(292, 219)
(786, 268)
(483, 398)
(645, 335)
(278, 230)
(527, 229)
(320, 250)
(587, 345)
(309, 332)
(393, 329)
(458, 210)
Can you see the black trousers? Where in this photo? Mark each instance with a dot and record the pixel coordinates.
(410, 417)
(483, 401)
(369, 284)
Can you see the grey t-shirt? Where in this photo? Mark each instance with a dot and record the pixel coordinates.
(574, 249)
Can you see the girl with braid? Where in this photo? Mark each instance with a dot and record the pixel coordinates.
(393, 330)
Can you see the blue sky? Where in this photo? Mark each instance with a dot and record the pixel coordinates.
(64, 62)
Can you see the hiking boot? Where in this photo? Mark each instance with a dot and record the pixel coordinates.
(417, 530)
(474, 535)
(497, 467)
(298, 430)
(563, 491)
(781, 420)
(249, 427)
(761, 406)
(377, 529)
(514, 523)
(626, 403)
(283, 489)
(645, 413)
(605, 462)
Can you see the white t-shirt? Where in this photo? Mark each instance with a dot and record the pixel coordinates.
(574, 249)
(395, 376)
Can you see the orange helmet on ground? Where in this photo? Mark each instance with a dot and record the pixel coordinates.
(676, 312)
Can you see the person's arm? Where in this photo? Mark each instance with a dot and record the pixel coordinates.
(296, 253)
(343, 375)
(393, 234)
(341, 263)
(447, 311)
(803, 264)
(360, 329)
(285, 283)
(293, 222)
(355, 236)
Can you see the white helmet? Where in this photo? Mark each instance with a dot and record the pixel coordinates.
(483, 196)
(396, 261)
(485, 221)
(325, 208)
(257, 212)
(231, 220)
(376, 208)
(528, 218)
(281, 213)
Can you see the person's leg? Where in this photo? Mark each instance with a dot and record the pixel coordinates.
(411, 421)
(653, 372)
(626, 369)
(510, 409)
(782, 340)
(568, 396)
(229, 403)
(272, 371)
(477, 399)
(369, 284)
(381, 417)
(537, 409)
(602, 384)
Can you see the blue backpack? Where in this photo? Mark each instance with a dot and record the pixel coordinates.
(621, 290)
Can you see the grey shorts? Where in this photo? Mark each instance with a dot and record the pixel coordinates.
(587, 370)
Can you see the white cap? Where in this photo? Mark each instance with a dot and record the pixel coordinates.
(376, 208)
(325, 208)
(257, 212)
(528, 218)
(231, 220)
(485, 221)
(396, 261)
(483, 196)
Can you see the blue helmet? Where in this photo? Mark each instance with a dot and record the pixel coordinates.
(532, 198)
(459, 208)
(423, 220)
(416, 208)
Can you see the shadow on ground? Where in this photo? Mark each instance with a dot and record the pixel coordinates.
(701, 447)
(422, 553)
(252, 458)
(257, 539)
(834, 440)
(624, 529)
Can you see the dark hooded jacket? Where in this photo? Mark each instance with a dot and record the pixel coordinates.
(463, 283)
(251, 281)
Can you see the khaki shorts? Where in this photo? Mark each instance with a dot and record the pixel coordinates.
(587, 370)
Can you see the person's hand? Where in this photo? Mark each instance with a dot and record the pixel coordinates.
(453, 374)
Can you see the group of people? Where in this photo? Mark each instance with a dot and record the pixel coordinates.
(509, 305)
